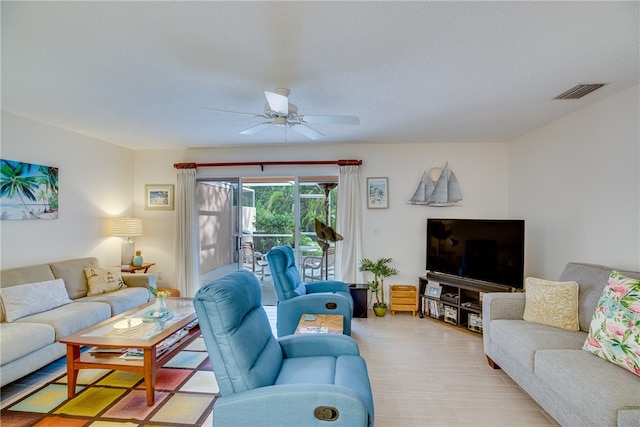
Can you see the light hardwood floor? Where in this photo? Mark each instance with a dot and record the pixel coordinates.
(423, 373)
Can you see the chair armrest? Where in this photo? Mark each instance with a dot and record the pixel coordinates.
(291, 405)
(503, 305)
(499, 306)
(326, 286)
(139, 280)
(317, 303)
(312, 261)
(318, 345)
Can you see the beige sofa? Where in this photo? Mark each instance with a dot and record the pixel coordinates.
(31, 342)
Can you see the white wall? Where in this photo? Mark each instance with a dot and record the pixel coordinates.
(576, 182)
(95, 185)
(481, 170)
(158, 242)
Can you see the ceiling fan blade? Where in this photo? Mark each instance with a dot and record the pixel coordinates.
(306, 131)
(278, 103)
(335, 120)
(256, 128)
(234, 112)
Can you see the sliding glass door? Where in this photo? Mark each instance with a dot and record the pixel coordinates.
(241, 219)
(220, 213)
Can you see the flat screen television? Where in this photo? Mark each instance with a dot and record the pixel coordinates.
(488, 250)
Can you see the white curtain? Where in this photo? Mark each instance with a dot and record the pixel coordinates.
(349, 224)
(188, 237)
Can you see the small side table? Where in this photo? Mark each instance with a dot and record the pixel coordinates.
(404, 298)
(132, 268)
(320, 323)
(359, 294)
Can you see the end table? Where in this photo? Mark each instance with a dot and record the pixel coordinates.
(132, 268)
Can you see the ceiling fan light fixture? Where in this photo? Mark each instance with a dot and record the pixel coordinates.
(283, 114)
(280, 121)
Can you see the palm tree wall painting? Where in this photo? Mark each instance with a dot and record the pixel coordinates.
(28, 191)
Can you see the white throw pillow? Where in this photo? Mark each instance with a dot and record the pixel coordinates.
(31, 298)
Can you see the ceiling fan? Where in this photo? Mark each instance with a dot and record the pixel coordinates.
(282, 113)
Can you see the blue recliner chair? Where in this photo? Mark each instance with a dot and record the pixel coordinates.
(298, 380)
(296, 298)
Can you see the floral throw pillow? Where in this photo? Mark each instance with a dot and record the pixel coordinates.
(614, 333)
(102, 280)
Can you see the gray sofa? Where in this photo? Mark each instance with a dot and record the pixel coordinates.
(31, 342)
(575, 387)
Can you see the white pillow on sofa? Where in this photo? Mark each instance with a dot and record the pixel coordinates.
(31, 298)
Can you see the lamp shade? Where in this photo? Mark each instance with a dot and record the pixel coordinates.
(127, 227)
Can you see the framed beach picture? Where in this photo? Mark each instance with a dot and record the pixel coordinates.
(28, 191)
(377, 193)
(159, 197)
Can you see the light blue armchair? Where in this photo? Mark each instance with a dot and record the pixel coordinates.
(298, 380)
(296, 298)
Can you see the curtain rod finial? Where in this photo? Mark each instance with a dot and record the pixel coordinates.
(190, 165)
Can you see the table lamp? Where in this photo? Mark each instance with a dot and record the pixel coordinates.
(127, 227)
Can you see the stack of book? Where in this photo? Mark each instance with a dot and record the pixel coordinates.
(436, 308)
(138, 354)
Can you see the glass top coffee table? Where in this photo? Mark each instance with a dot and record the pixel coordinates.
(156, 335)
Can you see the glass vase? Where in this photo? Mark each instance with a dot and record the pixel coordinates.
(161, 305)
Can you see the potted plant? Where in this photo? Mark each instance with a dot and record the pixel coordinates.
(380, 269)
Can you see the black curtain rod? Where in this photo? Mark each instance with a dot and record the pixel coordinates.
(263, 164)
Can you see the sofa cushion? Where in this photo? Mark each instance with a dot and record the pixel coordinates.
(614, 333)
(103, 280)
(31, 298)
(72, 272)
(71, 318)
(22, 275)
(596, 388)
(13, 346)
(592, 279)
(551, 303)
(121, 301)
(307, 370)
(519, 339)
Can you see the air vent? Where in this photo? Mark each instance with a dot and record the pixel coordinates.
(579, 91)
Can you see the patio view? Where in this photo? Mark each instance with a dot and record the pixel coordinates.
(241, 219)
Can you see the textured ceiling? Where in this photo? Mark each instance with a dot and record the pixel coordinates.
(138, 74)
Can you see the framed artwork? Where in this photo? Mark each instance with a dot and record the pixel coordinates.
(433, 291)
(28, 191)
(377, 193)
(159, 197)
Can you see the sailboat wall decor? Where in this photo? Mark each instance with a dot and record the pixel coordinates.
(443, 191)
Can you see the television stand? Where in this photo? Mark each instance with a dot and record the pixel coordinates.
(459, 300)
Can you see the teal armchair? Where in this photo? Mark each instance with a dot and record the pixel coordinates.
(298, 380)
(296, 298)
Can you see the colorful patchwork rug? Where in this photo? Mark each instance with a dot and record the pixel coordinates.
(185, 391)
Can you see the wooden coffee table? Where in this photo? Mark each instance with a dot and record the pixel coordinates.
(320, 323)
(137, 329)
